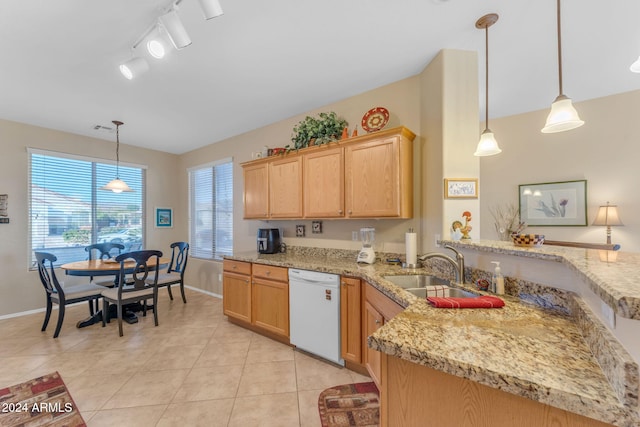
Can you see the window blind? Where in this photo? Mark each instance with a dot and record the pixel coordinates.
(211, 210)
(68, 211)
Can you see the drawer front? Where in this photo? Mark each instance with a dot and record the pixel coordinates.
(270, 272)
(239, 267)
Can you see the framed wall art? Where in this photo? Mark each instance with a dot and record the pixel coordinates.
(164, 218)
(461, 188)
(554, 203)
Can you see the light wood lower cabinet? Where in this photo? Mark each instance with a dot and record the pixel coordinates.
(236, 290)
(351, 319)
(270, 299)
(412, 393)
(377, 309)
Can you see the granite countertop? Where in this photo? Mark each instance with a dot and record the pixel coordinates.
(614, 281)
(520, 349)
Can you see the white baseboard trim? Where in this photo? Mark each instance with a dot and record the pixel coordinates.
(55, 306)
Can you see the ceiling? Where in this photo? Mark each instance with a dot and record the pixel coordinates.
(265, 61)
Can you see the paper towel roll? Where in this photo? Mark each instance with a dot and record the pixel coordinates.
(411, 242)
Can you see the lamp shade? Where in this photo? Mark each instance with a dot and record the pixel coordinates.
(607, 215)
(211, 8)
(134, 67)
(117, 186)
(487, 146)
(177, 33)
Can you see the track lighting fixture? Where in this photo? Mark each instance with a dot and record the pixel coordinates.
(134, 67)
(210, 8)
(170, 23)
(177, 33)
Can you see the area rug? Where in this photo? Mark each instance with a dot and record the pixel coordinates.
(42, 401)
(350, 405)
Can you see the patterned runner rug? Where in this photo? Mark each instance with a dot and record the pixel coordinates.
(42, 401)
(350, 405)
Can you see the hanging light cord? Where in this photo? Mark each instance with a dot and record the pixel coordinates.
(486, 78)
(117, 149)
(559, 49)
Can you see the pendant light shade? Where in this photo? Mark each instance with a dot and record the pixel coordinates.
(487, 146)
(177, 33)
(562, 116)
(117, 185)
(211, 8)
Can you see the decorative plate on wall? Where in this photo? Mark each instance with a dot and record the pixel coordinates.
(375, 119)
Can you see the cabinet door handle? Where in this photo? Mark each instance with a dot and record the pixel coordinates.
(268, 272)
(340, 211)
(246, 280)
(377, 322)
(350, 212)
(234, 267)
(344, 283)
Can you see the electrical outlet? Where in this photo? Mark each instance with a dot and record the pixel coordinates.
(436, 240)
(354, 236)
(608, 314)
(220, 277)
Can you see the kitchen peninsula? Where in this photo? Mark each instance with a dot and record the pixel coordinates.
(536, 356)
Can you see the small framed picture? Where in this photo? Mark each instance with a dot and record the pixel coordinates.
(316, 227)
(461, 188)
(554, 203)
(300, 230)
(164, 218)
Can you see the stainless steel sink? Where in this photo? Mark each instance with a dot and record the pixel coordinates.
(407, 281)
(450, 292)
(420, 284)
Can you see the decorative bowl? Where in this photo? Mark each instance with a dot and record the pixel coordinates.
(527, 239)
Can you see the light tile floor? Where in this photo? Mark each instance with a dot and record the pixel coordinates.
(194, 369)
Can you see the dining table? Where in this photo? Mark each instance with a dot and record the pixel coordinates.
(106, 267)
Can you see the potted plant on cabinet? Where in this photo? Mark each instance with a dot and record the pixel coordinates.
(323, 129)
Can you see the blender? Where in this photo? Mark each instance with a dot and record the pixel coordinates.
(367, 255)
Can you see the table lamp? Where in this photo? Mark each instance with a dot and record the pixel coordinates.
(608, 215)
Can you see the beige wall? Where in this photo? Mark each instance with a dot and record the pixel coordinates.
(402, 101)
(20, 288)
(605, 152)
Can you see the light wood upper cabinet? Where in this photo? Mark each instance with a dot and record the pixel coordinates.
(256, 191)
(285, 187)
(379, 178)
(368, 176)
(323, 183)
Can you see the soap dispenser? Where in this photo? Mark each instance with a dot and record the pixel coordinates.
(497, 280)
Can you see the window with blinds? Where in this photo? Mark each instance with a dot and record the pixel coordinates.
(211, 210)
(68, 211)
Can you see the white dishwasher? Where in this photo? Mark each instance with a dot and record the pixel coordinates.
(314, 313)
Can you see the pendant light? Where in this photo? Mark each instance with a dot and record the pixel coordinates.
(117, 185)
(562, 116)
(487, 146)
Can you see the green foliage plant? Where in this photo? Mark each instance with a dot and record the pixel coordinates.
(325, 128)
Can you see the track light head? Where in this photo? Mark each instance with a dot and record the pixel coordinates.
(134, 67)
(156, 48)
(177, 33)
(210, 8)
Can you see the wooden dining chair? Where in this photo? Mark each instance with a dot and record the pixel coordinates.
(140, 288)
(177, 266)
(104, 251)
(61, 295)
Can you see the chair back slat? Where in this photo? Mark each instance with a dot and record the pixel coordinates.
(47, 274)
(179, 257)
(104, 250)
(141, 271)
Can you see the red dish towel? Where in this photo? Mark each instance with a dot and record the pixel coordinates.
(484, 301)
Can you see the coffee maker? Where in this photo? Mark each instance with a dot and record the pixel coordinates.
(268, 240)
